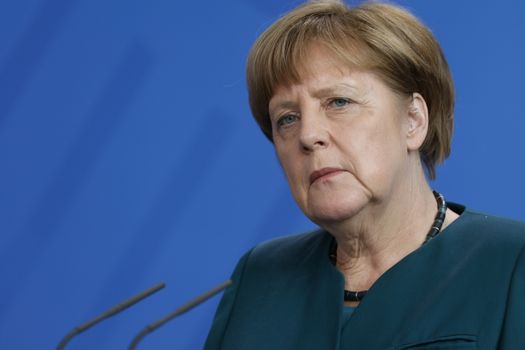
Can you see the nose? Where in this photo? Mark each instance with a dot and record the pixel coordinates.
(314, 132)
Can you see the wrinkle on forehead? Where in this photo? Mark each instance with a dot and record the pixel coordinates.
(321, 76)
(299, 66)
(360, 86)
(284, 96)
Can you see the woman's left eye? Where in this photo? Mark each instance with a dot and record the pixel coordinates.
(339, 102)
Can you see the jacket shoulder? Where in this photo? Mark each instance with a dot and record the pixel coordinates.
(290, 250)
(495, 229)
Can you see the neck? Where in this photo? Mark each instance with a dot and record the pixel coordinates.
(384, 232)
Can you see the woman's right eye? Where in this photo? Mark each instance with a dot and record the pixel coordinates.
(286, 120)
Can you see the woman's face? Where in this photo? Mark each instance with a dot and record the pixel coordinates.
(340, 138)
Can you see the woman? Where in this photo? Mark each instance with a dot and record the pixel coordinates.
(358, 104)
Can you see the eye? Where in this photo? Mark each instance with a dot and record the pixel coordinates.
(286, 120)
(339, 102)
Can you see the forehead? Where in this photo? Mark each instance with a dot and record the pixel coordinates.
(329, 81)
(321, 73)
(319, 58)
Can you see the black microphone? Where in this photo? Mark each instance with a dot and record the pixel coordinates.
(114, 310)
(184, 308)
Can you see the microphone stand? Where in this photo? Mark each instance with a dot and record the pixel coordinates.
(184, 308)
(114, 310)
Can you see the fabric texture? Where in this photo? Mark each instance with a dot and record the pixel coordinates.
(465, 289)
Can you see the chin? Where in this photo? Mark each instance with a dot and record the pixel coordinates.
(335, 210)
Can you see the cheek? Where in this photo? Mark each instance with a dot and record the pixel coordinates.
(292, 172)
(292, 168)
(374, 152)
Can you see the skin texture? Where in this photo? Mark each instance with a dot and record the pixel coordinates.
(350, 127)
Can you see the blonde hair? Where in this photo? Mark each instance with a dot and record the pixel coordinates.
(381, 38)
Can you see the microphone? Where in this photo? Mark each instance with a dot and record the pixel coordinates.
(184, 308)
(114, 310)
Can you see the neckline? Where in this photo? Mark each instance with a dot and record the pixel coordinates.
(459, 209)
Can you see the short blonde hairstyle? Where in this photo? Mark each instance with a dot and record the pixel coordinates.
(384, 39)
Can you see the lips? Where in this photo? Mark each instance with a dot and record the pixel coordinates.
(324, 172)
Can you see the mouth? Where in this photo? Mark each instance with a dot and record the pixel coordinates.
(323, 174)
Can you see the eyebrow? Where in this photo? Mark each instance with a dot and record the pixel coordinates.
(327, 91)
(285, 104)
(333, 90)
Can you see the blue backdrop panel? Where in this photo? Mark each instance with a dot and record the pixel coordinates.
(129, 155)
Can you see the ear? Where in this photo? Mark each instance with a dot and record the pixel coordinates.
(417, 122)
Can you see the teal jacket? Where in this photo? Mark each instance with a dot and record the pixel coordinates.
(465, 289)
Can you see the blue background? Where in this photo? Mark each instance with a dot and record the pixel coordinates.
(129, 156)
